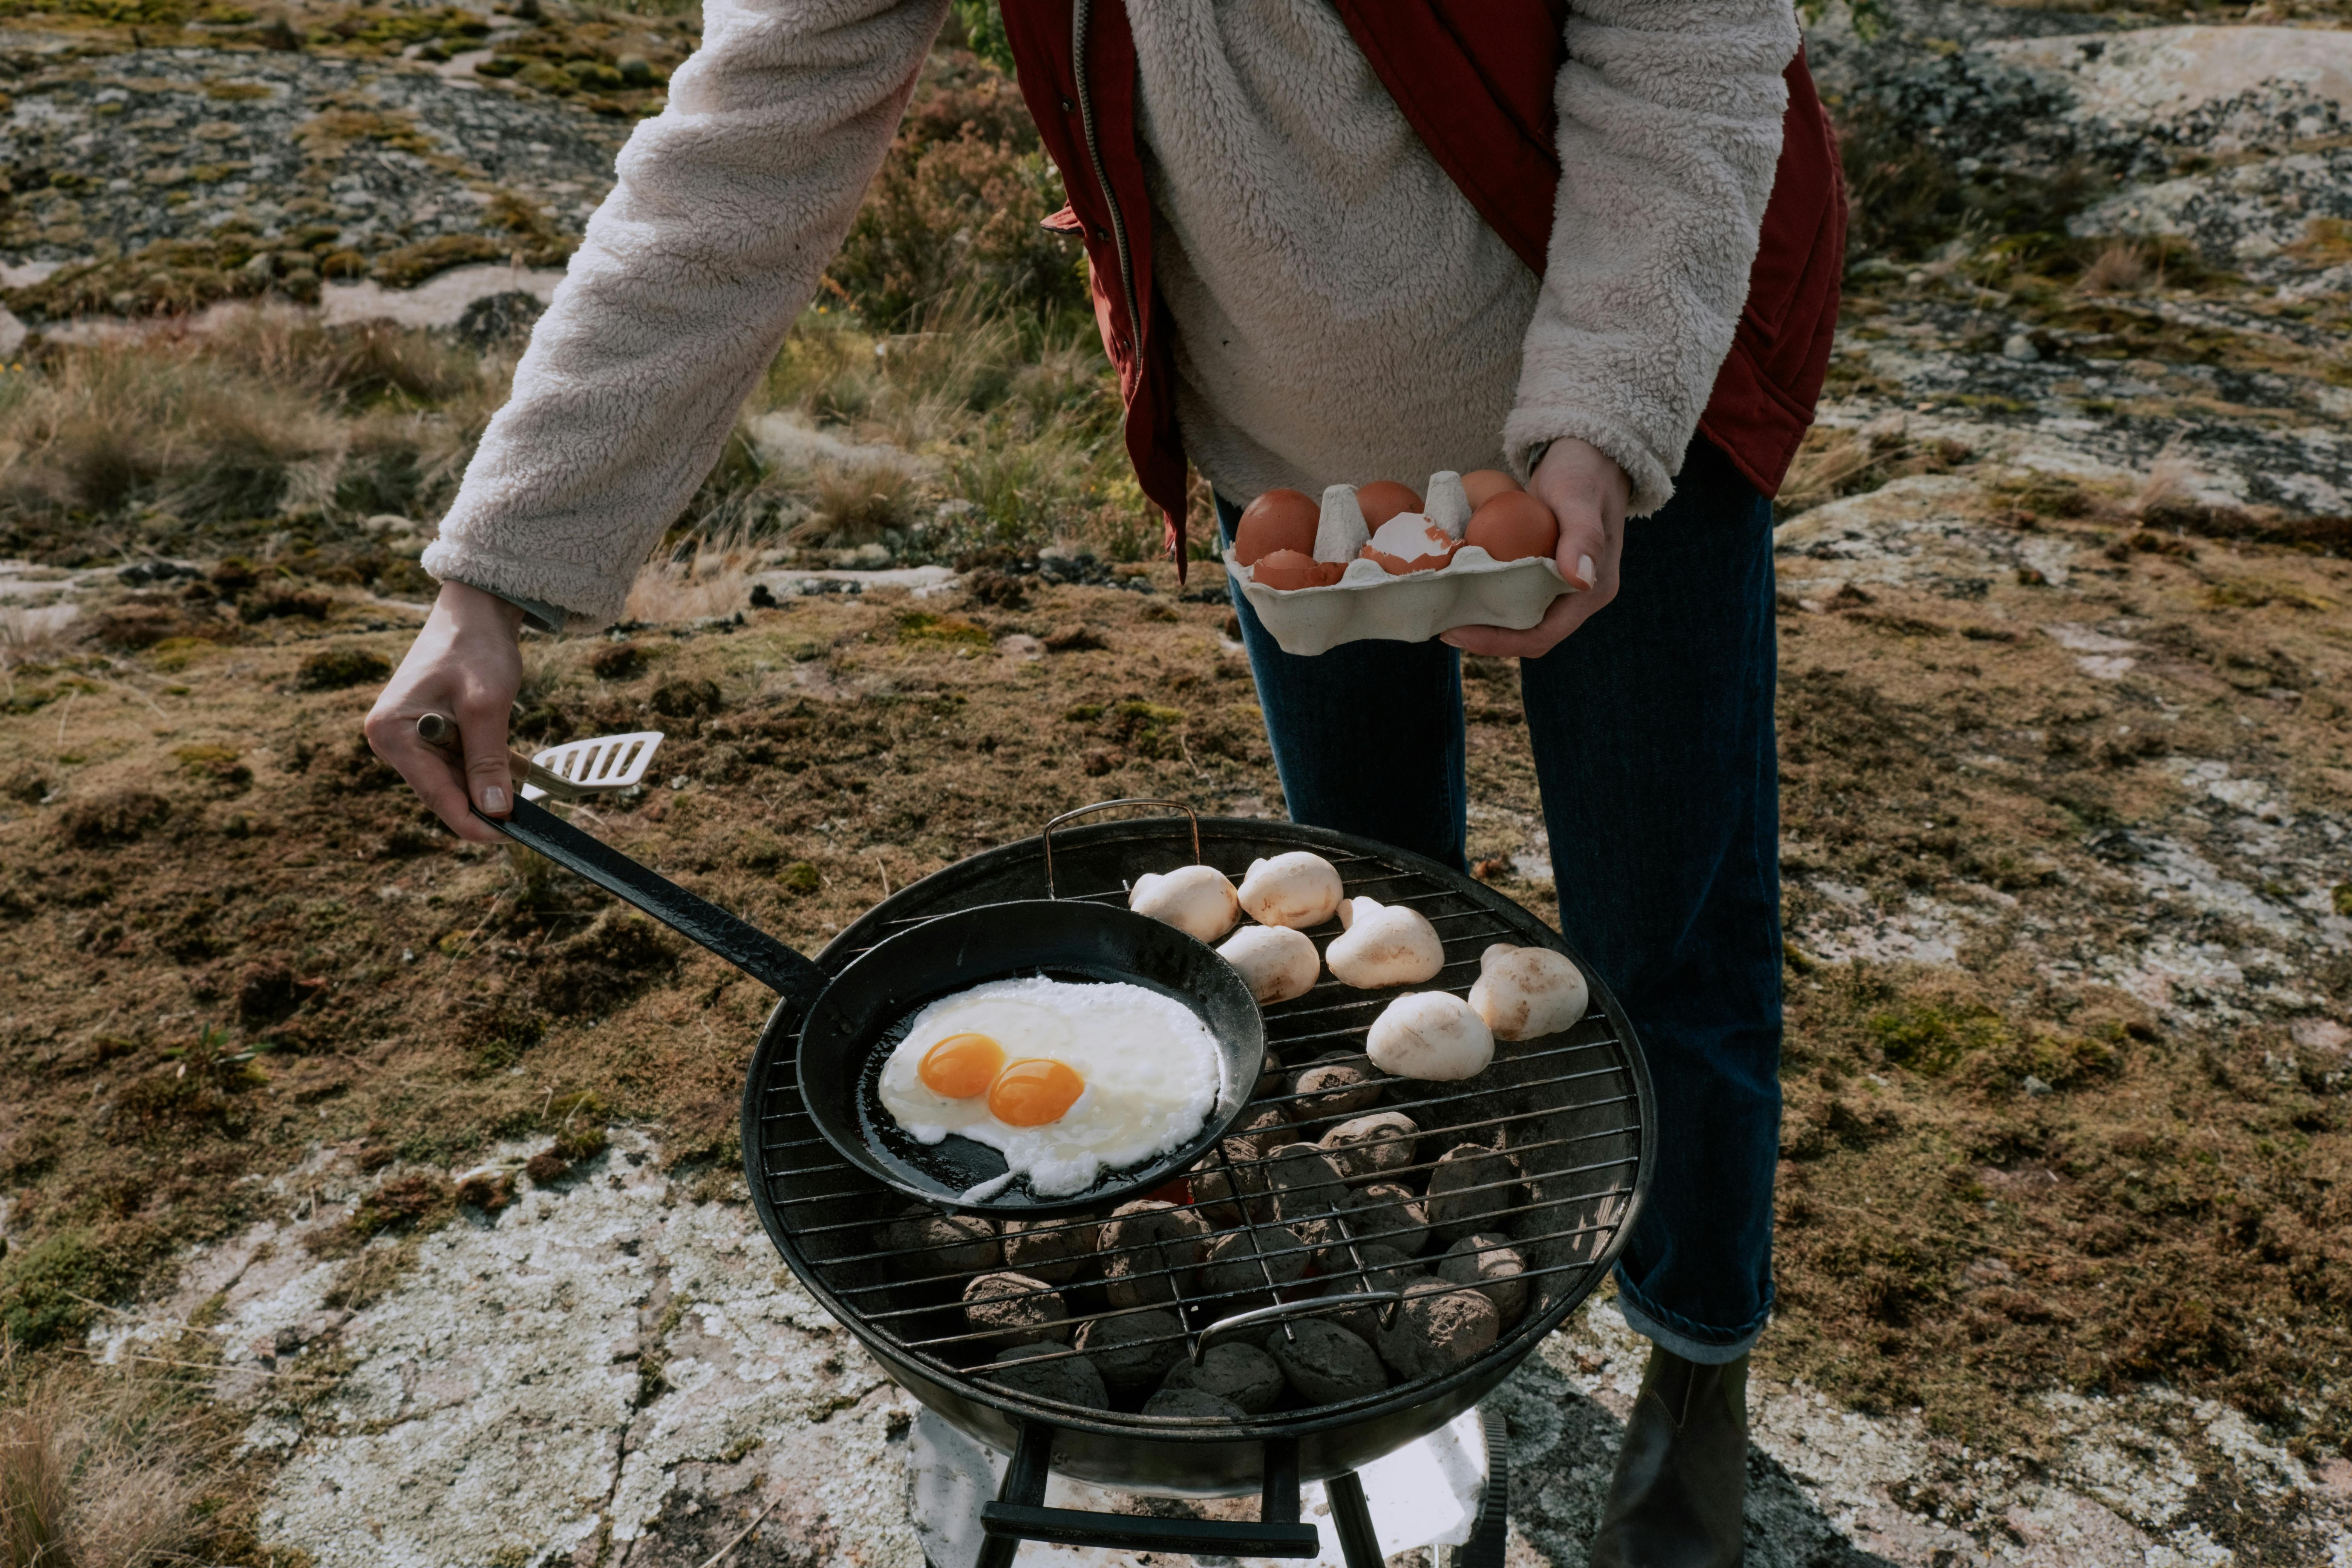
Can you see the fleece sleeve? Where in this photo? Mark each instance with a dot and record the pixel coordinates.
(1669, 132)
(729, 203)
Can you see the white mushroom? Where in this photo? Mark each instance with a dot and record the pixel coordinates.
(1449, 504)
(1527, 992)
(1275, 961)
(1430, 1035)
(1340, 533)
(1198, 900)
(1299, 889)
(1384, 944)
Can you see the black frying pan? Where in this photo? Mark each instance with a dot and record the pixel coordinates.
(850, 1021)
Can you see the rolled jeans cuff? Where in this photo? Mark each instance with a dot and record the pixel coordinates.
(1692, 1342)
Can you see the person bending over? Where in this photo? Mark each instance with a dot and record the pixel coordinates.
(1593, 242)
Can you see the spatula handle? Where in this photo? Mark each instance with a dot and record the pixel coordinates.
(440, 732)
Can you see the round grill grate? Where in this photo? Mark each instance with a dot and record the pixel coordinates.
(1571, 1112)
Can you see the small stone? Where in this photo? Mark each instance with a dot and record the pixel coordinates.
(1133, 1349)
(1388, 1214)
(2018, 346)
(1015, 1309)
(1494, 1266)
(1325, 1363)
(1372, 1145)
(1223, 1190)
(1306, 1184)
(1242, 1261)
(1335, 1084)
(1048, 1371)
(2035, 1087)
(1385, 1268)
(939, 1243)
(1471, 1190)
(1193, 1404)
(1051, 1249)
(1242, 1374)
(1151, 1252)
(1439, 1326)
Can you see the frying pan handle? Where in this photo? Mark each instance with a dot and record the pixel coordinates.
(737, 941)
(1047, 834)
(1314, 1306)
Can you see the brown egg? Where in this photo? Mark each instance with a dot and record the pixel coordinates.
(1384, 499)
(1278, 520)
(1484, 485)
(1513, 526)
(1288, 569)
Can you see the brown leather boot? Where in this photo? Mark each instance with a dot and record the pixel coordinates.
(1682, 1473)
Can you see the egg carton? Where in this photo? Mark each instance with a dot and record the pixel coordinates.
(1368, 604)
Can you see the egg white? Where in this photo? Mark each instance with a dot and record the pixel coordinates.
(1151, 1069)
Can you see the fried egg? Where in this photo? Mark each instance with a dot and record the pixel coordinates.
(1063, 1080)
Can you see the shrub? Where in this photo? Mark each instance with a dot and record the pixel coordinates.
(958, 204)
(336, 669)
(46, 1289)
(122, 817)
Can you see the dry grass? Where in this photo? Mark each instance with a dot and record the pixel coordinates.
(858, 504)
(2171, 479)
(30, 632)
(2120, 268)
(261, 424)
(1841, 461)
(98, 1469)
(705, 574)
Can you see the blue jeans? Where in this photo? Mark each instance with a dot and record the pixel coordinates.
(1653, 734)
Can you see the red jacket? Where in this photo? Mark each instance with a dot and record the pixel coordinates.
(1475, 80)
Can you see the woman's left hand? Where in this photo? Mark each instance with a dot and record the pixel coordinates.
(1587, 491)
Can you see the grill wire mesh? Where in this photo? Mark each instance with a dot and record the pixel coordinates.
(1566, 1109)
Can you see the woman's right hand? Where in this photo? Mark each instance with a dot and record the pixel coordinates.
(465, 663)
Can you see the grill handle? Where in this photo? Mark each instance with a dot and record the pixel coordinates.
(1282, 1312)
(740, 942)
(1045, 835)
(1019, 1514)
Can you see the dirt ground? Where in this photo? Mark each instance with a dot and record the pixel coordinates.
(2064, 646)
(233, 939)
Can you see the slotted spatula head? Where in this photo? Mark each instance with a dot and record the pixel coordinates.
(601, 763)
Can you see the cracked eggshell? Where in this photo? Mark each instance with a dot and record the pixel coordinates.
(1409, 541)
(1340, 531)
(1198, 900)
(1274, 961)
(1384, 944)
(1524, 993)
(1298, 889)
(1430, 1035)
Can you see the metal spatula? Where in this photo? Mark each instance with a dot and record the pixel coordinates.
(576, 770)
(597, 765)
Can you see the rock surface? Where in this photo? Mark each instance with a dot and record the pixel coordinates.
(612, 1370)
(119, 152)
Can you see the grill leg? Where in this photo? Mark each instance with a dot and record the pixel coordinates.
(1279, 1502)
(1025, 1483)
(1359, 1547)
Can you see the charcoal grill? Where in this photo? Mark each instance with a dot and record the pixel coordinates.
(1573, 1111)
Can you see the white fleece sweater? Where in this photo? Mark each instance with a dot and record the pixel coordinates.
(1340, 309)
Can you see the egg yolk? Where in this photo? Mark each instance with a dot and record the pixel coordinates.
(1032, 1092)
(961, 1065)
